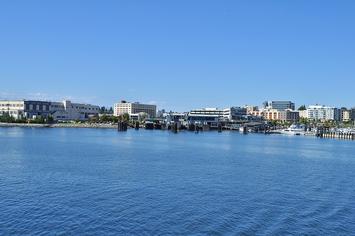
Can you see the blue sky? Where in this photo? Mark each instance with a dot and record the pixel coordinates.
(179, 54)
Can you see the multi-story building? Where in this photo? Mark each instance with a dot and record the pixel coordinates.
(15, 109)
(323, 113)
(25, 108)
(58, 110)
(345, 114)
(35, 109)
(303, 114)
(353, 114)
(234, 113)
(285, 115)
(205, 115)
(67, 110)
(279, 105)
(134, 108)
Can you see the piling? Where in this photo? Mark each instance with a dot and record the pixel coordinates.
(121, 126)
(192, 127)
(205, 127)
(174, 128)
(219, 128)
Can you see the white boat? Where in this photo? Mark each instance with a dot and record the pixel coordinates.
(294, 130)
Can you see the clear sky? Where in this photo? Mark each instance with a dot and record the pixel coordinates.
(179, 54)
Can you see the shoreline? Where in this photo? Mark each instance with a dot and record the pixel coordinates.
(331, 135)
(21, 125)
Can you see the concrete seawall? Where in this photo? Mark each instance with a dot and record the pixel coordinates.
(67, 125)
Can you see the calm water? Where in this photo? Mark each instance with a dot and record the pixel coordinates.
(101, 182)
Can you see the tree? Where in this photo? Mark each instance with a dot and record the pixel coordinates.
(126, 117)
(6, 118)
(302, 108)
(102, 110)
(142, 116)
(304, 121)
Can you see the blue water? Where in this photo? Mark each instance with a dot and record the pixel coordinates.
(101, 182)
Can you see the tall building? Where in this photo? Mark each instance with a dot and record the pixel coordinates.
(135, 108)
(323, 113)
(279, 105)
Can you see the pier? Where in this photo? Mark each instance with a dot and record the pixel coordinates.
(322, 133)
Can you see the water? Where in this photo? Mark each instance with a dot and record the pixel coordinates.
(101, 182)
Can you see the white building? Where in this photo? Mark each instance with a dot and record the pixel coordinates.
(58, 110)
(234, 113)
(133, 109)
(205, 116)
(303, 114)
(67, 110)
(25, 108)
(15, 109)
(323, 113)
(215, 115)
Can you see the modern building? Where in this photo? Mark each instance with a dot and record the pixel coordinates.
(67, 110)
(235, 113)
(135, 108)
(25, 108)
(323, 113)
(58, 110)
(279, 105)
(205, 115)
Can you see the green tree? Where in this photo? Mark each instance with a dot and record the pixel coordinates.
(302, 108)
(126, 117)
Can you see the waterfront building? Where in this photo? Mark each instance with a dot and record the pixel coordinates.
(353, 114)
(323, 113)
(58, 110)
(345, 115)
(34, 109)
(205, 115)
(251, 109)
(135, 108)
(303, 114)
(277, 115)
(170, 117)
(279, 105)
(235, 113)
(15, 109)
(25, 108)
(67, 110)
